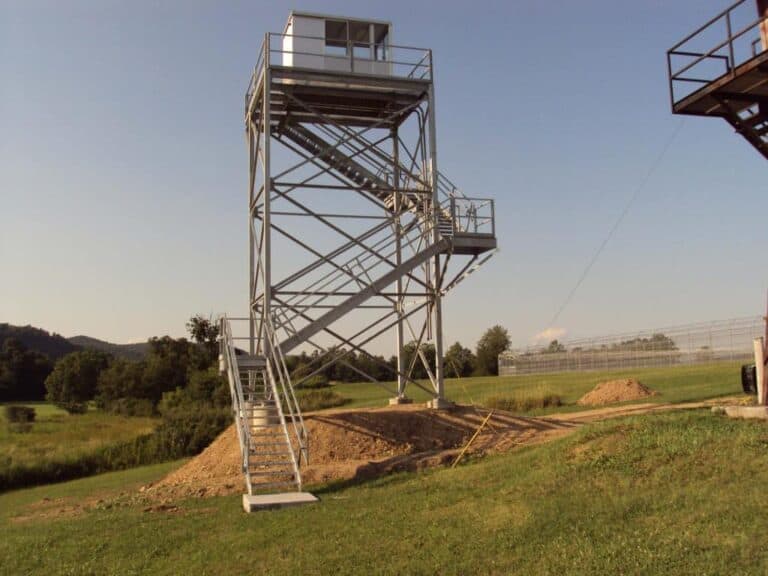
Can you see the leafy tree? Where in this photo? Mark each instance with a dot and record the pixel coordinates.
(554, 347)
(22, 372)
(658, 341)
(205, 387)
(491, 344)
(137, 387)
(205, 332)
(409, 351)
(459, 361)
(74, 378)
(122, 389)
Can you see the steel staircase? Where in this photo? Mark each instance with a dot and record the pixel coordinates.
(750, 119)
(371, 171)
(270, 428)
(375, 183)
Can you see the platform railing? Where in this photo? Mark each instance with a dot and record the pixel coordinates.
(393, 60)
(390, 60)
(690, 65)
(473, 216)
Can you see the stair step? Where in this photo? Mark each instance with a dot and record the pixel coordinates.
(249, 361)
(754, 120)
(286, 463)
(270, 472)
(254, 453)
(262, 485)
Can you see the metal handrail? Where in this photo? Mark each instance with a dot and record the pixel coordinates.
(699, 57)
(284, 378)
(236, 391)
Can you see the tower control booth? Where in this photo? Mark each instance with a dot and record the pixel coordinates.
(355, 236)
(721, 70)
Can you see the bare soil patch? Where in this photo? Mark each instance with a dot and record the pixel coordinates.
(612, 391)
(365, 443)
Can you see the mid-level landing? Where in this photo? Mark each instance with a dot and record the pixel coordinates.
(472, 244)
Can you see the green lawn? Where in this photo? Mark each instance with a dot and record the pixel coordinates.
(60, 437)
(673, 493)
(676, 384)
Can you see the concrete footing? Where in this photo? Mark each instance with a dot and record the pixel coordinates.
(400, 400)
(440, 404)
(254, 503)
(750, 412)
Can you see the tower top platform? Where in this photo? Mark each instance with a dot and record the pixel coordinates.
(341, 64)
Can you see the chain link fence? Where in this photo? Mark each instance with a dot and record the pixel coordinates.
(707, 342)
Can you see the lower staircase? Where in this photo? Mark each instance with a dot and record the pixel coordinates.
(270, 428)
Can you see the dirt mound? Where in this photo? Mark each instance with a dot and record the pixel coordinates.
(616, 391)
(347, 444)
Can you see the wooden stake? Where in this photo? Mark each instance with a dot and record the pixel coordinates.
(468, 444)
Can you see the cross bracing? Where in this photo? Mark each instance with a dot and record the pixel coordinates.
(354, 238)
(385, 259)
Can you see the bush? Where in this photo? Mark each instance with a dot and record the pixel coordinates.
(132, 407)
(319, 400)
(314, 382)
(20, 418)
(522, 403)
(186, 433)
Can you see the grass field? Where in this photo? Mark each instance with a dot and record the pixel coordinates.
(57, 436)
(676, 384)
(675, 493)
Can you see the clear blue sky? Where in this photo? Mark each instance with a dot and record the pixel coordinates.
(123, 166)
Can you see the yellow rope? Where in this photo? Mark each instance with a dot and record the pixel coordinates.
(468, 444)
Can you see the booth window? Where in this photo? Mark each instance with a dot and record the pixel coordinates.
(380, 40)
(336, 36)
(360, 34)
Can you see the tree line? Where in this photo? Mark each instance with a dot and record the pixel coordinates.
(459, 361)
(172, 365)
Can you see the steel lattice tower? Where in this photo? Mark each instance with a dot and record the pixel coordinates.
(353, 232)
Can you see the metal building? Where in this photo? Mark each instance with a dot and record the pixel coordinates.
(355, 235)
(721, 70)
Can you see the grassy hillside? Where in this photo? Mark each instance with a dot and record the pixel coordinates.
(59, 438)
(676, 384)
(664, 494)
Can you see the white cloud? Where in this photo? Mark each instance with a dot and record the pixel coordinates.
(550, 334)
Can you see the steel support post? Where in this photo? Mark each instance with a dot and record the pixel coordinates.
(439, 400)
(253, 164)
(266, 222)
(401, 380)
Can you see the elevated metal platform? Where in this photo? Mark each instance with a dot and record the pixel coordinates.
(353, 99)
(729, 80)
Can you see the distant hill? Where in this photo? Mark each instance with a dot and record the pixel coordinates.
(55, 346)
(51, 344)
(126, 351)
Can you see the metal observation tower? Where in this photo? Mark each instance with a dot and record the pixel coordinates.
(354, 234)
